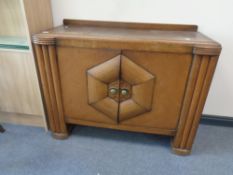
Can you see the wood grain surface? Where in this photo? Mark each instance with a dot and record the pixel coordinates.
(165, 70)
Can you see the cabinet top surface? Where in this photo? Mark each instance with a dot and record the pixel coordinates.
(130, 32)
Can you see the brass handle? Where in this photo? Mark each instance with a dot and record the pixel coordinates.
(124, 92)
(113, 91)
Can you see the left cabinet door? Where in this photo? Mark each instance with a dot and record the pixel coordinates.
(89, 84)
(19, 89)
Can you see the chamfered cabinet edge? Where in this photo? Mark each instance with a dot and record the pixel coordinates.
(200, 75)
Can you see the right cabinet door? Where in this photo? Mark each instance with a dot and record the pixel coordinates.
(152, 87)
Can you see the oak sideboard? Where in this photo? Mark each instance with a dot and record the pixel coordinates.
(142, 77)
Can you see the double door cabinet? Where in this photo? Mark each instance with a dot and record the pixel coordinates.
(151, 78)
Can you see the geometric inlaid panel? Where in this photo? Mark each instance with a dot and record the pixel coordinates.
(120, 89)
(99, 77)
(142, 83)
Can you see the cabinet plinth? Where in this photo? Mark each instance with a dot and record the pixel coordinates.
(151, 78)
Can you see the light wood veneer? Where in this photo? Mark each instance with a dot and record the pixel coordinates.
(151, 78)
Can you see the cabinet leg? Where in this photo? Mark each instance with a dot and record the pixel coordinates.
(63, 135)
(181, 144)
(60, 136)
(180, 151)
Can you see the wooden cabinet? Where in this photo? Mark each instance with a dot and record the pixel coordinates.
(151, 78)
(20, 97)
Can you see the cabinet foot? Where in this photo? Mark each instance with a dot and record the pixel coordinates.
(180, 151)
(63, 135)
(60, 136)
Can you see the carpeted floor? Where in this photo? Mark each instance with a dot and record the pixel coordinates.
(94, 151)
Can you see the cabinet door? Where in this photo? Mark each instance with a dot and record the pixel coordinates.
(89, 83)
(157, 85)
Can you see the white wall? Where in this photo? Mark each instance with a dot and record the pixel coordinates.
(214, 17)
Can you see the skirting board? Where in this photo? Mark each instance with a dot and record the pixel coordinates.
(21, 119)
(217, 120)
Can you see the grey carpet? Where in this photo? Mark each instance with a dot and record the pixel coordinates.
(94, 151)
